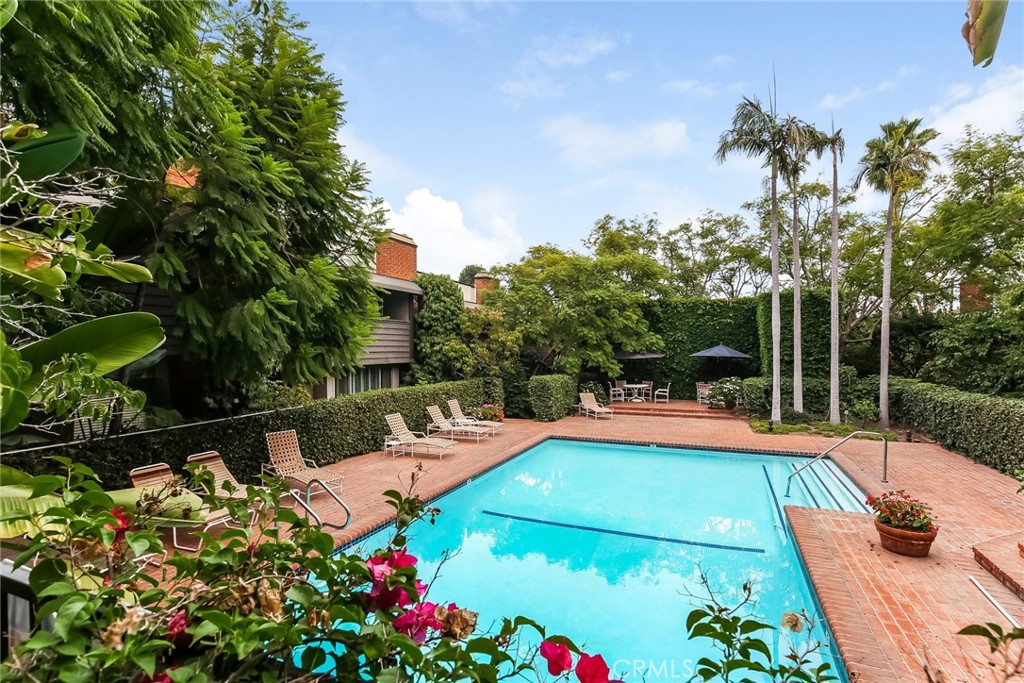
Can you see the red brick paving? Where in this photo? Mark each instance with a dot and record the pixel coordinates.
(1003, 557)
(891, 616)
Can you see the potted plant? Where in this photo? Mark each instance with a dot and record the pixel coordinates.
(904, 524)
(724, 392)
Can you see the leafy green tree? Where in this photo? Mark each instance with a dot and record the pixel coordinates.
(894, 163)
(469, 272)
(267, 250)
(980, 220)
(575, 311)
(757, 132)
(440, 353)
(717, 256)
(492, 348)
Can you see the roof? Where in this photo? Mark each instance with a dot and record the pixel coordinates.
(394, 284)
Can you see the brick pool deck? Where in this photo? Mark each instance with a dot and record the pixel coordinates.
(892, 617)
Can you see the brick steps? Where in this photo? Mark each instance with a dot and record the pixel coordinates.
(1003, 558)
(648, 411)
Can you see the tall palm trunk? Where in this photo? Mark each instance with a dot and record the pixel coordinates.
(883, 379)
(776, 306)
(798, 354)
(833, 379)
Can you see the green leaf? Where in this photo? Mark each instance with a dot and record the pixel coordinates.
(45, 156)
(114, 341)
(7, 10)
(18, 264)
(983, 28)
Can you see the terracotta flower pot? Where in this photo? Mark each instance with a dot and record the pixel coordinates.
(903, 542)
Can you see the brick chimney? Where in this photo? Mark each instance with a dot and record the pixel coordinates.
(482, 283)
(972, 298)
(396, 257)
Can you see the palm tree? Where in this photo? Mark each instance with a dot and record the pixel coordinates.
(894, 162)
(756, 132)
(801, 139)
(836, 143)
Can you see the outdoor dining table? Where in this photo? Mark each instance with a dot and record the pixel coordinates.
(635, 390)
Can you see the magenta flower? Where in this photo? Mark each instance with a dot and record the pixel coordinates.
(558, 656)
(124, 521)
(415, 622)
(177, 623)
(593, 670)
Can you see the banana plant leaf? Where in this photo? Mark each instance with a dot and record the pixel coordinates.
(98, 261)
(114, 340)
(24, 267)
(7, 10)
(41, 157)
(16, 502)
(983, 28)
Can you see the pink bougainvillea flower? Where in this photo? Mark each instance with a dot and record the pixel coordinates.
(383, 566)
(558, 656)
(124, 521)
(415, 622)
(177, 623)
(379, 570)
(593, 669)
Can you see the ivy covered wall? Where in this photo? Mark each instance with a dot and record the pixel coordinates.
(814, 315)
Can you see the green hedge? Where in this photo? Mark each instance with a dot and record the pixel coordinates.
(757, 392)
(988, 429)
(552, 396)
(688, 325)
(815, 318)
(329, 430)
(516, 381)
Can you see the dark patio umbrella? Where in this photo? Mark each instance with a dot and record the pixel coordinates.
(718, 353)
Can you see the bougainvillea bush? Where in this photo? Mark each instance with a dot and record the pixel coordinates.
(274, 602)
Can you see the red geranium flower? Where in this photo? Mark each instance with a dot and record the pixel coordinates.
(558, 656)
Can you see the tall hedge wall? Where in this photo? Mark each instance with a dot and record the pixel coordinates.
(815, 321)
(552, 396)
(688, 325)
(328, 430)
(985, 428)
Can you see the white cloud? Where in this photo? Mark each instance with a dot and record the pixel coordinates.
(571, 50)
(461, 16)
(994, 106)
(588, 144)
(445, 243)
(695, 89)
(835, 101)
(617, 76)
(957, 91)
(519, 90)
(384, 169)
(722, 61)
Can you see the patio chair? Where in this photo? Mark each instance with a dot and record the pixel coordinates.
(616, 393)
(590, 407)
(160, 476)
(703, 390)
(442, 426)
(459, 418)
(411, 440)
(661, 395)
(646, 392)
(286, 462)
(211, 460)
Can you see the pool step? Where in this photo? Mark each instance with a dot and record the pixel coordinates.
(827, 487)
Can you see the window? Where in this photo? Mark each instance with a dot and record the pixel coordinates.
(364, 379)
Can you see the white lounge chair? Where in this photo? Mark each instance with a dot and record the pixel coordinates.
(590, 407)
(703, 391)
(661, 395)
(286, 462)
(442, 426)
(459, 418)
(410, 440)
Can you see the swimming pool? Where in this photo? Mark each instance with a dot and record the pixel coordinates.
(603, 542)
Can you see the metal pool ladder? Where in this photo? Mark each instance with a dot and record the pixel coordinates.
(885, 458)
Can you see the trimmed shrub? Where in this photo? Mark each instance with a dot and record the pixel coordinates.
(757, 392)
(988, 429)
(688, 325)
(757, 395)
(515, 383)
(815, 319)
(329, 430)
(552, 396)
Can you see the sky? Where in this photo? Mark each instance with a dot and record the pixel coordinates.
(489, 127)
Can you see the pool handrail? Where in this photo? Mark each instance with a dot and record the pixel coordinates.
(885, 457)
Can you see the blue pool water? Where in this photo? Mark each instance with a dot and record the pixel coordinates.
(603, 542)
